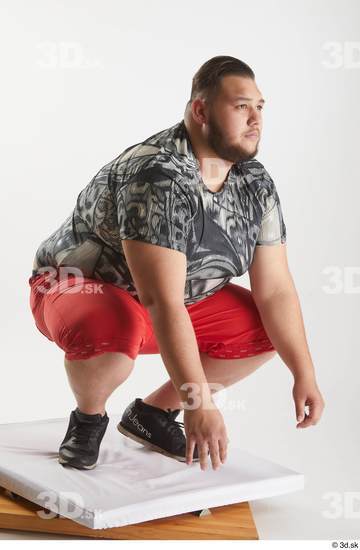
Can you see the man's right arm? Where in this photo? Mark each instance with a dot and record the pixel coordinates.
(159, 275)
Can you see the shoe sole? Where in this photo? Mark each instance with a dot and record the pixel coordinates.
(151, 446)
(67, 463)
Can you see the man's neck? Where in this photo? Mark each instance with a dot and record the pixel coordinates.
(214, 170)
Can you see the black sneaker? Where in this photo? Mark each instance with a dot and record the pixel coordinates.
(155, 428)
(81, 444)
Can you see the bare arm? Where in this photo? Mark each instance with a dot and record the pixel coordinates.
(276, 298)
(159, 275)
(179, 351)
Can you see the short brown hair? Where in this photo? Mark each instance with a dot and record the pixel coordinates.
(207, 79)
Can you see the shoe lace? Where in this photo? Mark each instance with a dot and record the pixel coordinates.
(174, 425)
(83, 432)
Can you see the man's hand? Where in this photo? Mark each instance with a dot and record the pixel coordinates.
(306, 392)
(205, 428)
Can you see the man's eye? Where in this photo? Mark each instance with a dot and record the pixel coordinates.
(245, 105)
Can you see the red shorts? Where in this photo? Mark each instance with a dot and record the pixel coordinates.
(86, 317)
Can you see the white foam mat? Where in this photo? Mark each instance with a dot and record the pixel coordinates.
(130, 483)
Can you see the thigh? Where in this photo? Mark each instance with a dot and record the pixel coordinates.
(86, 317)
(226, 324)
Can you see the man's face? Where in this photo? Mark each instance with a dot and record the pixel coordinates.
(232, 115)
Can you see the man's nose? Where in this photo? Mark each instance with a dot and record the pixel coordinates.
(255, 116)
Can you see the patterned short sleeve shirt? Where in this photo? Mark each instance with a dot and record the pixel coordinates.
(153, 192)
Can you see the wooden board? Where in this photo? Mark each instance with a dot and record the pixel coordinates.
(234, 522)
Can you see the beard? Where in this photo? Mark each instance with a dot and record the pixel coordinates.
(218, 141)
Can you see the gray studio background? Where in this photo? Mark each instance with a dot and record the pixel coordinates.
(83, 80)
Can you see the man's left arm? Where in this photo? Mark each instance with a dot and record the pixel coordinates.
(276, 298)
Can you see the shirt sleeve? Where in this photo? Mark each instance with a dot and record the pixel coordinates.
(153, 209)
(272, 227)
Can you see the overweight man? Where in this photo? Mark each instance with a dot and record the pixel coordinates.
(143, 265)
